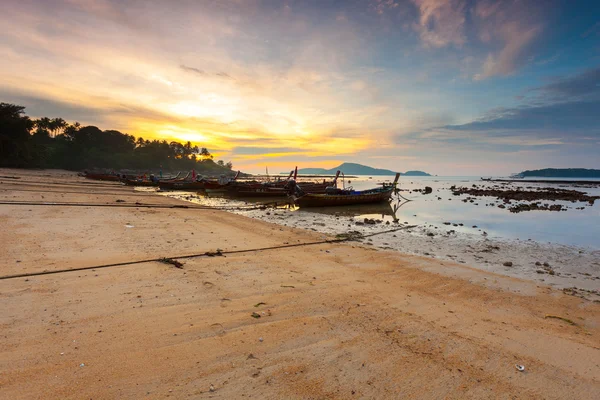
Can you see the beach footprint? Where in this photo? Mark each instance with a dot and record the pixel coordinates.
(225, 302)
(208, 285)
(218, 329)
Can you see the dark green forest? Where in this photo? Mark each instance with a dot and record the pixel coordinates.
(54, 143)
(562, 173)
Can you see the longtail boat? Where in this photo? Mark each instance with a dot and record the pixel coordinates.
(139, 182)
(201, 184)
(278, 188)
(341, 197)
(102, 177)
(219, 185)
(181, 185)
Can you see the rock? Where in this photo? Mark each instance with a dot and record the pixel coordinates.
(546, 264)
(430, 234)
(508, 264)
(427, 190)
(538, 263)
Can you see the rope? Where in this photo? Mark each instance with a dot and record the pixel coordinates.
(113, 184)
(205, 254)
(140, 205)
(138, 193)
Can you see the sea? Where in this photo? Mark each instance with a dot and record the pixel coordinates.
(573, 227)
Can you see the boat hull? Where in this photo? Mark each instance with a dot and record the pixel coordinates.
(181, 185)
(102, 177)
(135, 182)
(325, 200)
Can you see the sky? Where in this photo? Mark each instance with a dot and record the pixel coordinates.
(450, 87)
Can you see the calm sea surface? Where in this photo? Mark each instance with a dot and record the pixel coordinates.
(571, 227)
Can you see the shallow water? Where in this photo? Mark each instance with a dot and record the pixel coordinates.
(571, 227)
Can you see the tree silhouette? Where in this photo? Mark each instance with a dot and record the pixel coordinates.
(54, 143)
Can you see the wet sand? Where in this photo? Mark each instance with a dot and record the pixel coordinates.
(339, 321)
(574, 269)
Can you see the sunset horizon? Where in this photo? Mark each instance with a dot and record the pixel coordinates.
(447, 87)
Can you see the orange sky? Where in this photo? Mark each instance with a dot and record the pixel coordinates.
(392, 84)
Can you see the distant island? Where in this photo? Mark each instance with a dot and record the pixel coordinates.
(562, 173)
(356, 169)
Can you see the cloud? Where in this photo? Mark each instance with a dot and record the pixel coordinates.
(510, 26)
(517, 41)
(245, 150)
(594, 30)
(564, 118)
(506, 28)
(441, 22)
(37, 106)
(192, 69)
(382, 6)
(564, 113)
(583, 84)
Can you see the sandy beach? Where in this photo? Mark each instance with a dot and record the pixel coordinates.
(318, 321)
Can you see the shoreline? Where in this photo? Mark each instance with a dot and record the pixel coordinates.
(330, 320)
(572, 268)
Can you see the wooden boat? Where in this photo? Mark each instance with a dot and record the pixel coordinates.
(201, 184)
(139, 182)
(272, 189)
(219, 185)
(341, 197)
(257, 190)
(181, 185)
(102, 177)
(278, 188)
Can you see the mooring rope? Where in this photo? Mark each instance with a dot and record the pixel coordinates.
(350, 237)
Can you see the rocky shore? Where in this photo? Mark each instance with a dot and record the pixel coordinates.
(572, 267)
(509, 196)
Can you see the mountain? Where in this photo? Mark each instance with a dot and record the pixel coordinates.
(562, 173)
(416, 173)
(356, 169)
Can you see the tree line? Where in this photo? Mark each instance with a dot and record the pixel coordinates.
(54, 143)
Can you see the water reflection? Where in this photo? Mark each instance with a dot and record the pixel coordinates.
(574, 227)
(386, 209)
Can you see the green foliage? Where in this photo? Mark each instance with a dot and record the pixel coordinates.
(53, 143)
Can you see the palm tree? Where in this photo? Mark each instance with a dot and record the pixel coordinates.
(57, 126)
